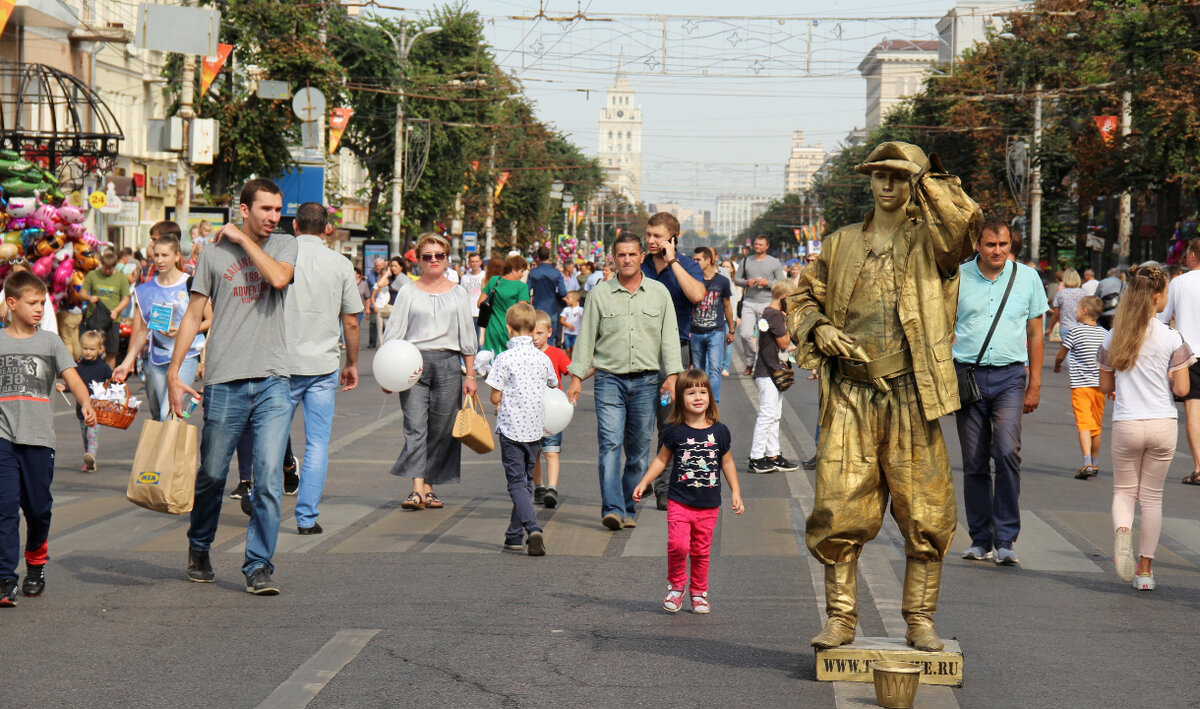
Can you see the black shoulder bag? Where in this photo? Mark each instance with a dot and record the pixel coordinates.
(485, 309)
(968, 388)
(737, 311)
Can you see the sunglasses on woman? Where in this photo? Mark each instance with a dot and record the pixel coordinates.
(439, 256)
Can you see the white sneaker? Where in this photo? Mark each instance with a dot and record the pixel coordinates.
(1144, 583)
(977, 553)
(1123, 554)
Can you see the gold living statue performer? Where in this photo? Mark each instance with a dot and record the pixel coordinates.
(876, 312)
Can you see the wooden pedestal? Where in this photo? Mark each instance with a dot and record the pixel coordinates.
(852, 663)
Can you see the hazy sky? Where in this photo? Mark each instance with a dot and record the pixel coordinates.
(720, 95)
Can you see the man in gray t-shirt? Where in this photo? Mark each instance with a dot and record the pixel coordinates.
(245, 272)
(756, 274)
(322, 303)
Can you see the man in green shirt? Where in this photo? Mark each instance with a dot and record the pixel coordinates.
(105, 286)
(628, 334)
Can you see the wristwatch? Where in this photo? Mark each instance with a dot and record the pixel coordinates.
(672, 262)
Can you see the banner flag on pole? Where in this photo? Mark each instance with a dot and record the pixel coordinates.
(1107, 125)
(6, 8)
(211, 66)
(500, 185)
(339, 118)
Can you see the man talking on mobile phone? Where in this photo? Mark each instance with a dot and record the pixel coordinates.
(685, 282)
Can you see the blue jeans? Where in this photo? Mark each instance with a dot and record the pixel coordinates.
(624, 421)
(265, 406)
(156, 384)
(316, 393)
(708, 354)
(990, 430)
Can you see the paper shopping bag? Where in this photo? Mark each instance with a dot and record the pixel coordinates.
(471, 427)
(164, 467)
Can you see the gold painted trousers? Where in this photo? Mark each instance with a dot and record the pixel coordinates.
(873, 445)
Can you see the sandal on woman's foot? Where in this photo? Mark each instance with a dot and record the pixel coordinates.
(413, 502)
(1084, 473)
(1193, 479)
(432, 502)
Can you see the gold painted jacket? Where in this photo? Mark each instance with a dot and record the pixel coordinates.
(941, 232)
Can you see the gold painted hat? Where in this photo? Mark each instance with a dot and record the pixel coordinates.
(901, 157)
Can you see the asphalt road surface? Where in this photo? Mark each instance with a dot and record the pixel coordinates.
(391, 608)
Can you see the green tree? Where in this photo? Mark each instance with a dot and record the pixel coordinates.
(271, 40)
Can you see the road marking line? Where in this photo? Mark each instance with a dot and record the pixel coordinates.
(1051, 551)
(311, 677)
(351, 438)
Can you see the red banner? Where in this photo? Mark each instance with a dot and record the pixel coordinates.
(211, 66)
(1107, 125)
(6, 8)
(339, 118)
(500, 185)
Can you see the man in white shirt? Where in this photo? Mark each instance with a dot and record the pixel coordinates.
(322, 292)
(1183, 305)
(1089, 282)
(472, 280)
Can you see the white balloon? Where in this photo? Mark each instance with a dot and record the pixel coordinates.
(558, 411)
(397, 365)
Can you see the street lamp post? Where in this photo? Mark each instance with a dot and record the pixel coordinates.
(402, 49)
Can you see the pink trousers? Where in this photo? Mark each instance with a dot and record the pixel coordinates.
(1141, 454)
(689, 532)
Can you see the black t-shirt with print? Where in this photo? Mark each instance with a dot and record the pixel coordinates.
(696, 463)
(768, 349)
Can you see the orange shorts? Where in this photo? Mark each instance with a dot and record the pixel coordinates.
(1088, 404)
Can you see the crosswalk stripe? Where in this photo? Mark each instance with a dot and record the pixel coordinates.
(480, 532)
(1184, 531)
(396, 531)
(67, 517)
(574, 530)
(336, 515)
(764, 530)
(1097, 529)
(117, 532)
(231, 527)
(649, 538)
(1041, 548)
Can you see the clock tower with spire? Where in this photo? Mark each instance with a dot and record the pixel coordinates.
(620, 139)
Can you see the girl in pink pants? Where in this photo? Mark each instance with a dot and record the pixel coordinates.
(700, 446)
(1144, 362)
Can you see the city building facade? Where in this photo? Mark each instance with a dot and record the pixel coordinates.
(736, 212)
(894, 70)
(802, 164)
(619, 141)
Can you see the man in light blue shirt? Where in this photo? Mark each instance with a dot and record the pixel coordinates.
(991, 427)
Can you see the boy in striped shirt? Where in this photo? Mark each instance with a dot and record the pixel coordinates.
(1080, 347)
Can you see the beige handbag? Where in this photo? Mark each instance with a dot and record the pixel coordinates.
(163, 478)
(471, 426)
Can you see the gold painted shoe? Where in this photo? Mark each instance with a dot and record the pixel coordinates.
(835, 634)
(924, 638)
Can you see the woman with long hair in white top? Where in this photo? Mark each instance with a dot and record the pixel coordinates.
(1144, 362)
